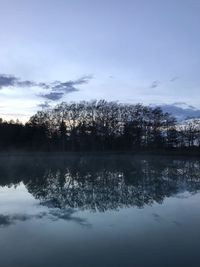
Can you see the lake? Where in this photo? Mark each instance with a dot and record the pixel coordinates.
(99, 210)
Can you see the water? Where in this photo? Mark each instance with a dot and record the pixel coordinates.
(114, 210)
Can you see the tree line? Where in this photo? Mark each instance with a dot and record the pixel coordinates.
(99, 126)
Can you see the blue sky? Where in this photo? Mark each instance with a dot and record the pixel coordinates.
(133, 51)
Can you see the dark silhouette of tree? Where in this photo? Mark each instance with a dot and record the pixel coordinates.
(99, 125)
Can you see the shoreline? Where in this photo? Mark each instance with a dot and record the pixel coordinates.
(177, 153)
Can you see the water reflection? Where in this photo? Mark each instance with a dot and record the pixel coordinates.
(7, 220)
(84, 211)
(52, 215)
(99, 183)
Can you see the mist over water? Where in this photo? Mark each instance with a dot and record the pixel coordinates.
(99, 210)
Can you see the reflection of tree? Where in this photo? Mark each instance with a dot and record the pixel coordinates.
(102, 183)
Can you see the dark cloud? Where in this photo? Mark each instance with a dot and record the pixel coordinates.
(56, 89)
(65, 87)
(69, 86)
(155, 84)
(7, 80)
(53, 95)
(11, 80)
(59, 89)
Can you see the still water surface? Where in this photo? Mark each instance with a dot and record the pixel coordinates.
(114, 210)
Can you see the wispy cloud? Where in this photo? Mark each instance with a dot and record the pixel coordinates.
(173, 79)
(59, 89)
(44, 105)
(53, 95)
(11, 80)
(56, 89)
(155, 84)
(7, 81)
(70, 86)
(66, 215)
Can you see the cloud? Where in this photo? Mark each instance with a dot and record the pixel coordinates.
(155, 84)
(53, 214)
(11, 80)
(44, 105)
(7, 80)
(68, 215)
(56, 89)
(53, 95)
(59, 89)
(26, 84)
(7, 220)
(173, 79)
(69, 86)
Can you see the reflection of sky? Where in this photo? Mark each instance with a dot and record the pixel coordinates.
(17, 199)
(82, 238)
(19, 205)
(137, 51)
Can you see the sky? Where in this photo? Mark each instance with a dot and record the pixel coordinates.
(131, 51)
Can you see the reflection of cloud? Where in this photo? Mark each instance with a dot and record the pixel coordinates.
(55, 214)
(177, 223)
(66, 215)
(157, 217)
(6, 220)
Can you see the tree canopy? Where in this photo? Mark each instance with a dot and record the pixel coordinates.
(99, 125)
